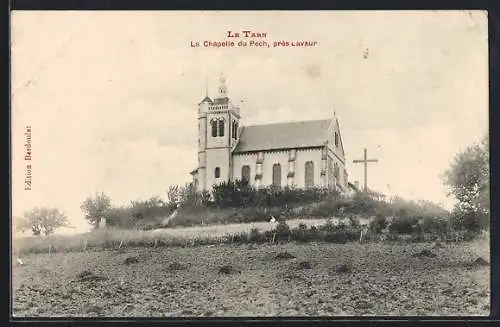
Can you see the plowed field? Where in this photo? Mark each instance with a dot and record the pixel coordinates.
(247, 280)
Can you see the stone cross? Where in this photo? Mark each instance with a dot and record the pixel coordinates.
(365, 161)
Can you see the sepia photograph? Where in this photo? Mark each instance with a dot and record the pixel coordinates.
(249, 164)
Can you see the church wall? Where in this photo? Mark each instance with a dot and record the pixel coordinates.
(240, 160)
(202, 133)
(304, 156)
(336, 151)
(342, 173)
(281, 157)
(335, 154)
(216, 158)
(271, 158)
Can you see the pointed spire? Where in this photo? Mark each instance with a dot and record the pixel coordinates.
(206, 84)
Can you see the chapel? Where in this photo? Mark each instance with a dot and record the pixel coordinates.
(296, 154)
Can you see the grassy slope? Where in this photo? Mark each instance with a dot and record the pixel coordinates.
(77, 242)
(385, 279)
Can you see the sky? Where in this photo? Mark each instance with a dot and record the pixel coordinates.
(111, 97)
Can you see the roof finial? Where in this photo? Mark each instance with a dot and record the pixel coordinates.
(222, 86)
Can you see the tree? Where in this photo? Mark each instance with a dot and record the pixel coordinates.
(42, 220)
(96, 208)
(468, 180)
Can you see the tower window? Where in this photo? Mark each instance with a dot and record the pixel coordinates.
(214, 128)
(217, 172)
(221, 127)
(234, 129)
(336, 140)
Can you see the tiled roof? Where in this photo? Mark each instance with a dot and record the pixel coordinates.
(283, 136)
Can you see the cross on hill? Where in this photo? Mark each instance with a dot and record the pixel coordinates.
(365, 161)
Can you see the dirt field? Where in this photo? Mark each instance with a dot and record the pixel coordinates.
(378, 280)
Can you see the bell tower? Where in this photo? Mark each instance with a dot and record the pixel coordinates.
(218, 132)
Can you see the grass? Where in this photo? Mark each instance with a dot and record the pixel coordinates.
(121, 238)
(297, 230)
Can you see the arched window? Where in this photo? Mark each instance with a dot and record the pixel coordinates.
(221, 127)
(336, 171)
(217, 172)
(336, 139)
(277, 175)
(309, 174)
(245, 173)
(214, 128)
(235, 130)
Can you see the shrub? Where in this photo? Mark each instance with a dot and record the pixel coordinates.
(313, 231)
(241, 194)
(339, 236)
(469, 220)
(301, 233)
(354, 222)
(282, 231)
(403, 224)
(435, 225)
(254, 236)
(378, 224)
(329, 226)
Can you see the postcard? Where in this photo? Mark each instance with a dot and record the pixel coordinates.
(250, 163)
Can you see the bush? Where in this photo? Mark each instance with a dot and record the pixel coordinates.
(329, 226)
(378, 224)
(354, 222)
(240, 194)
(469, 220)
(301, 233)
(435, 225)
(403, 225)
(334, 237)
(254, 236)
(282, 231)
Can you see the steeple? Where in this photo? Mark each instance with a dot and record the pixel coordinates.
(206, 85)
(222, 87)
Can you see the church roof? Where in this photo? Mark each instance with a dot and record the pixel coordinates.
(206, 99)
(283, 136)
